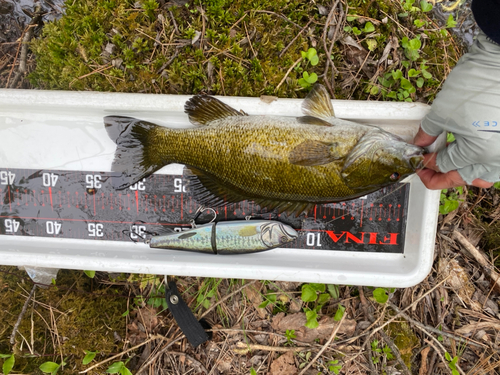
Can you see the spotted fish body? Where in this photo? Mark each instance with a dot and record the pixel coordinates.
(232, 237)
(285, 162)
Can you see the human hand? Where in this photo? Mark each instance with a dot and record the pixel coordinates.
(431, 175)
(468, 106)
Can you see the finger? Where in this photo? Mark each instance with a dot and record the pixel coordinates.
(482, 183)
(436, 181)
(423, 139)
(430, 161)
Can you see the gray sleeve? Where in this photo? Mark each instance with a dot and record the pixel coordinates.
(469, 107)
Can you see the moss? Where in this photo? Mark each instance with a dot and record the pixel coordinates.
(405, 339)
(125, 46)
(66, 319)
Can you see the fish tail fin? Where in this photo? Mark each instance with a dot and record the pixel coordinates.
(136, 153)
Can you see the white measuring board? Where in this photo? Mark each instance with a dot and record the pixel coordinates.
(58, 212)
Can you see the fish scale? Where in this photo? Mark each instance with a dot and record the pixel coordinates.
(259, 148)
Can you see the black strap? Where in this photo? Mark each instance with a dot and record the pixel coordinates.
(184, 317)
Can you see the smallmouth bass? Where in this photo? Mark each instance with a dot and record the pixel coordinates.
(278, 162)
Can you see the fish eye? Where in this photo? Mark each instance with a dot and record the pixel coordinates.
(395, 176)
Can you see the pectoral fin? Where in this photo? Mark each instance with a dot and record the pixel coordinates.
(310, 153)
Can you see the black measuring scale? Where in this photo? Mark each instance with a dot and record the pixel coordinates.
(84, 205)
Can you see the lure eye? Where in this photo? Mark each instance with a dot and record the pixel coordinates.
(283, 239)
(395, 176)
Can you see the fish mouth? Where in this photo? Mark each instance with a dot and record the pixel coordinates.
(415, 157)
(417, 162)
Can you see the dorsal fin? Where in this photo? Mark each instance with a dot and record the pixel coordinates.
(318, 104)
(202, 109)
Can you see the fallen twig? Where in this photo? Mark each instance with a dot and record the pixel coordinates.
(203, 368)
(244, 348)
(434, 330)
(436, 350)
(386, 338)
(20, 317)
(152, 338)
(287, 73)
(488, 268)
(160, 352)
(294, 39)
(24, 49)
(332, 336)
(328, 51)
(227, 297)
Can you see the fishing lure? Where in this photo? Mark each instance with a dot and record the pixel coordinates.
(228, 237)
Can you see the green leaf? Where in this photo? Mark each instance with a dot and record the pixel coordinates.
(333, 290)
(450, 22)
(406, 64)
(125, 371)
(426, 74)
(397, 74)
(314, 60)
(252, 371)
(447, 356)
(313, 77)
(450, 138)
(90, 274)
(425, 6)
(405, 84)
(392, 95)
(89, 356)
(419, 23)
(304, 54)
(356, 31)
(304, 83)
(380, 295)
(371, 44)
(374, 90)
(323, 298)
(311, 52)
(115, 368)
(263, 304)
(312, 321)
(420, 82)
(413, 73)
(369, 27)
(318, 287)
(308, 293)
(450, 205)
(339, 313)
(496, 185)
(415, 44)
(49, 367)
(351, 18)
(347, 29)
(8, 364)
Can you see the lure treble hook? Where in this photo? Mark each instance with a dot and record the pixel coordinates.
(198, 213)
